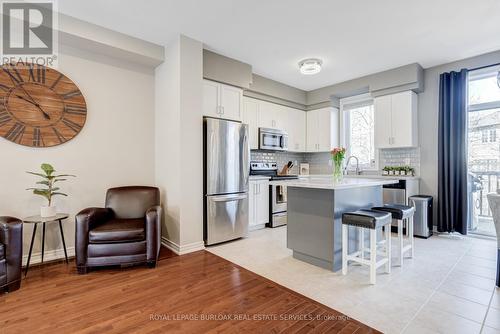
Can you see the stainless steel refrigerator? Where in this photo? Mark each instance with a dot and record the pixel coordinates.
(227, 162)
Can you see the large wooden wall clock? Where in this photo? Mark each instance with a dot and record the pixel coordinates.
(39, 107)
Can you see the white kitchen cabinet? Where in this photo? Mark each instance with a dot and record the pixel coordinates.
(322, 129)
(296, 130)
(222, 101)
(396, 123)
(258, 113)
(272, 115)
(251, 117)
(258, 206)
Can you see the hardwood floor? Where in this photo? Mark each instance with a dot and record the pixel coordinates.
(178, 296)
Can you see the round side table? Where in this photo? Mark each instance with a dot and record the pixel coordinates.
(42, 220)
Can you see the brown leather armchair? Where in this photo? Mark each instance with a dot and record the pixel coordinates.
(11, 253)
(126, 232)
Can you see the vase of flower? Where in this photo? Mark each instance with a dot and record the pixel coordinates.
(338, 155)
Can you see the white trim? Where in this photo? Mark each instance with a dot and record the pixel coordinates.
(49, 255)
(182, 249)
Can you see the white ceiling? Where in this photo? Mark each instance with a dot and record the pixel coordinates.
(352, 37)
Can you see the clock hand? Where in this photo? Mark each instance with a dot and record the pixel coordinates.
(45, 115)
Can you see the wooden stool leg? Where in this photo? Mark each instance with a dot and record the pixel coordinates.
(388, 250)
(373, 256)
(412, 239)
(400, 241)
(344, 248)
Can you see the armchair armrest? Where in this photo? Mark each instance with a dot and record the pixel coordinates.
(84, 221)
(11, 235)
(153, 232)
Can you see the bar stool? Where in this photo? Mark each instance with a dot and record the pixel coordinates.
(373, 221)
(401, 213)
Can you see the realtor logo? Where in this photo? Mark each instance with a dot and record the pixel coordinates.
(28, 30)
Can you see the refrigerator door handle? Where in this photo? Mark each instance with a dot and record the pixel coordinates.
(226, 198)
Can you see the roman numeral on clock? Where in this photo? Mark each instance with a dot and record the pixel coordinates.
(36, 74)
(37, 137)
(72, 125)
(74, 109)
(15, 134)
(59, 136)
(71, 94)
(14, 75)
(4, 116)
(57, 81)
(4, 88)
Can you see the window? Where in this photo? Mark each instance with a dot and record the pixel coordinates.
(358, 129)
(484, 136)
(493, 136)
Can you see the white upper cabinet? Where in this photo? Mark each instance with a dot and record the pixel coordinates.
(251, 117)
(222, 101)
(272, 115)
(396, 123)
(322, 129)
(258, 113)
(296, 130)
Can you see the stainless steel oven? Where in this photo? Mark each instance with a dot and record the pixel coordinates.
(273, 139)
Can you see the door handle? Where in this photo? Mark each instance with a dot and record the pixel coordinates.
(222, 110)
(227, 198)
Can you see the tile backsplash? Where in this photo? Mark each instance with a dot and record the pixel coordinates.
(400, 157)
(320, 163)
(281, 158)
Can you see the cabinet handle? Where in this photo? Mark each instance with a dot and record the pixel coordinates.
(222, 110)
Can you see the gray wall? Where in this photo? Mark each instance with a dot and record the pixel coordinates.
(428, 120)
(408, 77)
(227, 70)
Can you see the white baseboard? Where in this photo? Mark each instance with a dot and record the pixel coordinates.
(49, 255)
(256, 227)
(182, 249)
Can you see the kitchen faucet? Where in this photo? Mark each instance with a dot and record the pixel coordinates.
(358, 172)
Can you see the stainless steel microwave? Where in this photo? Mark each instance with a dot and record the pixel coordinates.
(273, 139)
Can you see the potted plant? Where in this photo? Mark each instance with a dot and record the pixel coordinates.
(391, 170)
(402, 171)
(385, 170)
(47, 188)
(338, 155)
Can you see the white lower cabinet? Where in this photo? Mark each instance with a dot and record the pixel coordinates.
(258, 205)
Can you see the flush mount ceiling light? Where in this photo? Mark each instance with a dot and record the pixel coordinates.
(310, 66)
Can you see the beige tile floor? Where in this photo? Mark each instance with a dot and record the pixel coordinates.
(448, 287)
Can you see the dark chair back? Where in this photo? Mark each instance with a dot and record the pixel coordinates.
(132, 202)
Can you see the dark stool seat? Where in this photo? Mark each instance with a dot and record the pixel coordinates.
(371, 219)
(398, 211)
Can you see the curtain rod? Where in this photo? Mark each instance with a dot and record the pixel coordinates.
(481, 67)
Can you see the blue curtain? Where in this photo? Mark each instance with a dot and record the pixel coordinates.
(452, 161)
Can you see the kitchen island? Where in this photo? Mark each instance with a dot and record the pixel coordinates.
(315, 208)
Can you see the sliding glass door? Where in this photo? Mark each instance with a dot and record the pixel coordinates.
(483, 146)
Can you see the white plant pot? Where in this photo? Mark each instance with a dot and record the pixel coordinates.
(391, 172)
(48, 211)
(403, 173)
(396, 172)
(385, 172)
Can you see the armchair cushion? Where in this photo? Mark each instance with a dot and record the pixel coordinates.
(118, 231)
(2, 251)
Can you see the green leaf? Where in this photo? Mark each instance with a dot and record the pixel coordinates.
(46, 183)
(62, 175)
(61, 194)
(58, 180)
(43, 193)
(38, 174)
(47, 168)
(55, 189)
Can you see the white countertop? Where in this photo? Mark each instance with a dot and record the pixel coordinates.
(259, 177)
(326, 182)
(367, 176)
